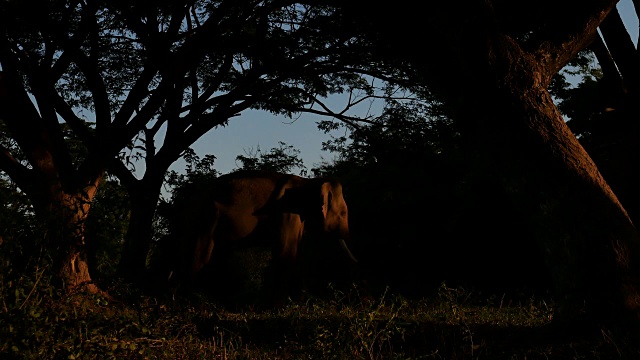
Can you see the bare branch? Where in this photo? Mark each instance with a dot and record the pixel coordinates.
(75, 123)
(135, 97)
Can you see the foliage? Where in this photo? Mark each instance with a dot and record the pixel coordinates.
(196, 169)
(410, 174)
(17, 220)
(579, 100)
(143, 82)
(284, 158)
(110, 60)
(106, 227)
(406, 131)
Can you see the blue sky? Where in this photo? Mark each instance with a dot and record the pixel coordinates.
(627, 12)
(260, 129)
(253, 129)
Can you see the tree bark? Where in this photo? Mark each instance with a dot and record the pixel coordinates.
(72, 266)
(65, 214)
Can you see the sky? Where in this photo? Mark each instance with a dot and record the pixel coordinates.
(627, 12)
(628, 15)
(253, 129)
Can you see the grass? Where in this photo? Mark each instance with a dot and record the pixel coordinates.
(38, 323)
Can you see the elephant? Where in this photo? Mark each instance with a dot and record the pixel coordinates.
(270, 209)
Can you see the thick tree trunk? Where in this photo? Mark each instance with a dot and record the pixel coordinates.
(496, 85)
(65, 215)
(60, 193)
(592, 248)
(73, 268)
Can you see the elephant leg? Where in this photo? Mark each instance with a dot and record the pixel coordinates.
(285, 273)
(204, 243)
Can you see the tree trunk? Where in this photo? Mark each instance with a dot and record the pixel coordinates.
(60, 191)
(495, 85)
(73, 268)
(591, 246)
(65, 214)
(144, 200)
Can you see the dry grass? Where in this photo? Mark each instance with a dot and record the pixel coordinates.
(455, 324)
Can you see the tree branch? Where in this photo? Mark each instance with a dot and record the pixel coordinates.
(20, 114)
(619, 43)
(562, 40)
(611, 75)
(16, 171)
(76, 124)
(135, 96)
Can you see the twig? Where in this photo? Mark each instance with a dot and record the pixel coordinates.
(34, 286)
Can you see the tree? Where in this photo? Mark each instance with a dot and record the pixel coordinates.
(493, 65)
(603, 110)
(155, 77)
(283, 158)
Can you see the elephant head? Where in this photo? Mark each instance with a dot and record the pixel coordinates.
(318, 209)
(280, 210)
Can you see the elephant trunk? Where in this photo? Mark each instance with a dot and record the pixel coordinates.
(344, 246)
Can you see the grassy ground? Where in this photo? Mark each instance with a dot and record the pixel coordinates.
(36, 323)
(39, 322)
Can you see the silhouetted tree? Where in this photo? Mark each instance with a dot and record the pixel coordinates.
(284, 158)
(154, 77)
